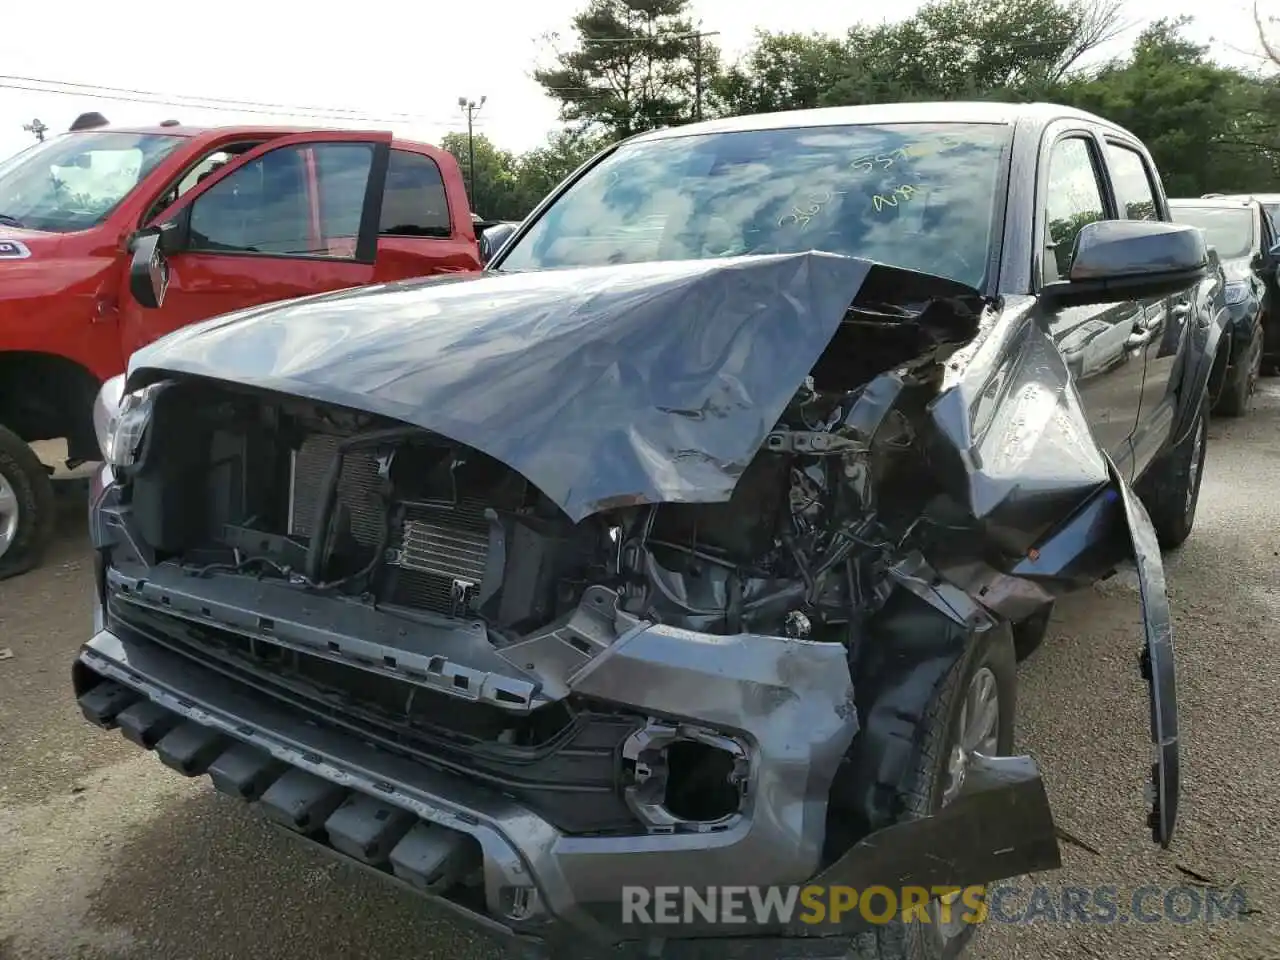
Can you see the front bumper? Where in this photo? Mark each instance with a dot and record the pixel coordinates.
(440, 834)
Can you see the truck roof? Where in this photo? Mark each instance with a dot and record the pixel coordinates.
(971, 111)
(194, 133)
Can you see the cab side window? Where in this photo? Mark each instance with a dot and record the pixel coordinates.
(1074, 199)
(206, 167)
(1134, 193)
(268, 206)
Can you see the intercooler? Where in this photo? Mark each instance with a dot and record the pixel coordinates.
(437, 554)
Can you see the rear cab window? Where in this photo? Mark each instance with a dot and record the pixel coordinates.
(1133, 181)
(414, 203)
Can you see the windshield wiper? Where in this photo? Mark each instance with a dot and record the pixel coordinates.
(10, 219)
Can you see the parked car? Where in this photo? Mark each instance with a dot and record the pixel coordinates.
(693, 542)
(250, 214)
(1243, 237)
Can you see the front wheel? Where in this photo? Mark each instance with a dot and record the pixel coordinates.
(1237, 393)
(1173, 485)
(971, 712)
(26, 506)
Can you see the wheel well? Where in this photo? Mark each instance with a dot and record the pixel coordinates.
(44, 396)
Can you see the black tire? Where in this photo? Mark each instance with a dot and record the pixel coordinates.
(923, 793)
(1172, 487)
(1029, 634)
(28, 479)
(1237, 392)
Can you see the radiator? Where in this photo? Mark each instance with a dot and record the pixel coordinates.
(439, 554)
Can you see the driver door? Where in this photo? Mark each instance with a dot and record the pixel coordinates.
(295, 216)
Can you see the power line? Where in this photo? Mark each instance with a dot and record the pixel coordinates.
(210, 103)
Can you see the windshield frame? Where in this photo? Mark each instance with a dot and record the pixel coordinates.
(33, 154)
(1255, 239)
(1000, 189)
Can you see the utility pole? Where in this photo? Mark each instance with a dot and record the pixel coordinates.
(36, 127)
(697, 69)
(471, 108)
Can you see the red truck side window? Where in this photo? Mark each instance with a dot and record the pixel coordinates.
(267, 206)
(413, 201)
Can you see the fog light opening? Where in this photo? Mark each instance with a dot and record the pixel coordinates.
(702, 782)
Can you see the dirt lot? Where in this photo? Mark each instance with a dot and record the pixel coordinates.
(106, 854)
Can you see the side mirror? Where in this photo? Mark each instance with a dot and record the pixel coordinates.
(149, 271)
(1118, 260)
(493, 238)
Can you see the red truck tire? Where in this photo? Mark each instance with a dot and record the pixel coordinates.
(27, 509)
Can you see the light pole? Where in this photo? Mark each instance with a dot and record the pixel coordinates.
(471, 108)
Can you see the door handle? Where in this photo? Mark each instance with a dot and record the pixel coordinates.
(1141, 336)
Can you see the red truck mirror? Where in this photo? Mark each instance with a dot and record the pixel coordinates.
(149, 271)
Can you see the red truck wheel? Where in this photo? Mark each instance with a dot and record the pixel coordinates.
(26, 506)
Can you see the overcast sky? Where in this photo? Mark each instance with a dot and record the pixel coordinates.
(402, 64)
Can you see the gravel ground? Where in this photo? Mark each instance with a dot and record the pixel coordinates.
(106, 855)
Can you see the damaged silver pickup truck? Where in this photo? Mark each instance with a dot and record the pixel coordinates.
(692, 542)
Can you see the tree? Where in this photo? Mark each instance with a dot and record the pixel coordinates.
(541, 169)
(1208, 127)
(782, 71)
(949, 49)
(495, 194)
(635, 65)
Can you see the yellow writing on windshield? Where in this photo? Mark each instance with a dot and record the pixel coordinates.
(806, 210)
(903, 192)
(912, 151)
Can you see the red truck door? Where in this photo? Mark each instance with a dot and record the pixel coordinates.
(295, 216)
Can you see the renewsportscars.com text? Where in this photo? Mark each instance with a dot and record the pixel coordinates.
(817, 905)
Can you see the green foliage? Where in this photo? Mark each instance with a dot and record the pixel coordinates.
(507, 186)
(633, 67)
(1209, 127)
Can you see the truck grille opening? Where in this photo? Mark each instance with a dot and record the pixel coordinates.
(437, 554)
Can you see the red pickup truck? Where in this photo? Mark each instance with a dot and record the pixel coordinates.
(249, 215)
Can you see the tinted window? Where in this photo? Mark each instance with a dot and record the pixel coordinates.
(343, 171)
(1133, 187)
(74, 181)
(1229, 231)
(1074, 199)
(920, 196)
(414, 202)
(266, 206)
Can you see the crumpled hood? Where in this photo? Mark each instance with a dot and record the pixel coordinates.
(604, 386)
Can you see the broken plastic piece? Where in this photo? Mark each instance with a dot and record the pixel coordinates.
(189, 748)
(433, 858)
(301, 802)
(244, 772)
(367, 829)
(103, 703)
(146, 722)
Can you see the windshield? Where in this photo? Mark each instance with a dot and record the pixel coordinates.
(74, 181)
(920, 196)
(1229, 231)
